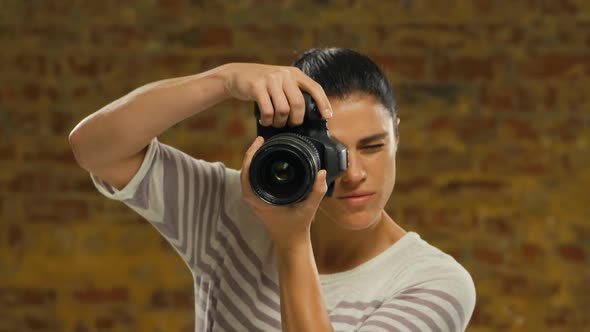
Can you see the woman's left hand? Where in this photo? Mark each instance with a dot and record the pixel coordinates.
(288, 225)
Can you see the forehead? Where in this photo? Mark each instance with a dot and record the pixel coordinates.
(358, 116)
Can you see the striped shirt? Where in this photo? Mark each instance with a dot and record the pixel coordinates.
(197, 206)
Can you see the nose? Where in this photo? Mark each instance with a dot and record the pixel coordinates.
(355, 171)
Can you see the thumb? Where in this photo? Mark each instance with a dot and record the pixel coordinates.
(320, 187)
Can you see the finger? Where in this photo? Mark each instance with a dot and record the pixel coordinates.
(280, 104)
(265, 106)
(320, 187)
(245, 172)
(296, 102)
(317, 93)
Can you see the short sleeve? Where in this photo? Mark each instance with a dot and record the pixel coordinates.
(444, 303)
(179, 195)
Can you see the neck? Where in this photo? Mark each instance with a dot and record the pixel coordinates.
(337, 249)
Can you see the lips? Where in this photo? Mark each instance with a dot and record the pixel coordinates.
(357, 198)
(357, 194)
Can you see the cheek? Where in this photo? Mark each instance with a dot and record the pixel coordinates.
(383, 170)
(382, 166)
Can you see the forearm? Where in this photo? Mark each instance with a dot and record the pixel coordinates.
(125, 126)
(302, 301)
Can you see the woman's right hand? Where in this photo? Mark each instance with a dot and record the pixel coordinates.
(277, 90)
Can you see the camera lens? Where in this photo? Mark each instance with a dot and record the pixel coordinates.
(283, 170)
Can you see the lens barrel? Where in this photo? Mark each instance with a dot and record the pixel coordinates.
(283, 170)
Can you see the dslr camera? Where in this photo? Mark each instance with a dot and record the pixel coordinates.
(283, 170)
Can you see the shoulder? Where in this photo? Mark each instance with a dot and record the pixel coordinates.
(425, 264)
(429, 273)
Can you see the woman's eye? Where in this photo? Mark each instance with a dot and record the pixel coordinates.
(374, 147)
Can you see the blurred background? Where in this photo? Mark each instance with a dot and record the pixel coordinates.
(493, 164)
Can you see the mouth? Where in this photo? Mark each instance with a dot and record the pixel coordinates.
(357, 199)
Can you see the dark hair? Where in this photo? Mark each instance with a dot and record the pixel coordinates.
(342, 71)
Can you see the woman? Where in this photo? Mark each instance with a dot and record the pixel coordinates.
(337, 263)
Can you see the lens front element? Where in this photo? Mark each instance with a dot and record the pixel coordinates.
(283, 170)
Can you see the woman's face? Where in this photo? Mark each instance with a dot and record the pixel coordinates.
(365, 127)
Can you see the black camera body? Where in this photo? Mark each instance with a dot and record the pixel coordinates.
(283, 170)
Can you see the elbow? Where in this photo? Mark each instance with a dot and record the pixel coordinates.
(74, 142)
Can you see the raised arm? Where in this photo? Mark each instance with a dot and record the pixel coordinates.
(111, 142)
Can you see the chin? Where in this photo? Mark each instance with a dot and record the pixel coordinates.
(359, 220)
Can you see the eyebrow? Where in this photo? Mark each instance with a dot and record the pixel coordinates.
(372, 138)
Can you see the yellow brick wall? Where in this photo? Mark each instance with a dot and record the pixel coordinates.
(493, 166)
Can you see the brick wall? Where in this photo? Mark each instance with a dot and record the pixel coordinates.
(493, 167)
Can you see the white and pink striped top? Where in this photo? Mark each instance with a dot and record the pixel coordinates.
(197, 206)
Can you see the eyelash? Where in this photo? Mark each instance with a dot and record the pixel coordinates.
(376, 146)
